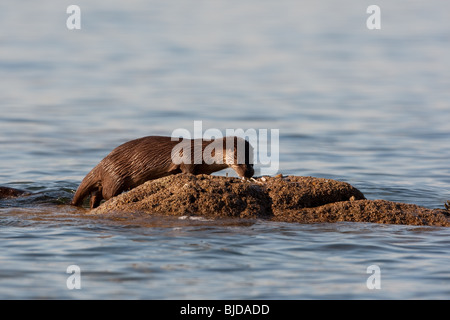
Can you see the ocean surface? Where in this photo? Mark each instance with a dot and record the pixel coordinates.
(369, 107)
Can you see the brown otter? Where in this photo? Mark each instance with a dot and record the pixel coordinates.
(137, 161)
(6, 192)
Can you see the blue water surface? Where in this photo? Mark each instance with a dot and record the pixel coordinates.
(369, 107)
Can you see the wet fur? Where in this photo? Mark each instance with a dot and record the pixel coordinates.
(137, 161)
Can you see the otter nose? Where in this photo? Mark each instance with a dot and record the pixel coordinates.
(249, 172)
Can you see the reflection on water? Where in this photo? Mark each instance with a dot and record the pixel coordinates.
(369, 107)
(172, 258)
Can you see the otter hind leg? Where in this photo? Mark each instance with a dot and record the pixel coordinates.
(96, 198)
(112, 188)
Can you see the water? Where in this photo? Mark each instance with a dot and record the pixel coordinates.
(370, 107)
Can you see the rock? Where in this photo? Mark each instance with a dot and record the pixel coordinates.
(184, 194)
(376, 211)
(287, 199)
(295, 192)
(7, 193)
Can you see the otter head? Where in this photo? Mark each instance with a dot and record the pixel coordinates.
(242, 159)
(246, 171)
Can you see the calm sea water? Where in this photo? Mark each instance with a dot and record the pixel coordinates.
(370, 107)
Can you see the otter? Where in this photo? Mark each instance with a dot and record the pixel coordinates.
(137, 161)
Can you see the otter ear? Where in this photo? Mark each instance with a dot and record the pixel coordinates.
(242, 150)
(249, 153)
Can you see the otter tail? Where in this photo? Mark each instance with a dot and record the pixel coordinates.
(89, 184)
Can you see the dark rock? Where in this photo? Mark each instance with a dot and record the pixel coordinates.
(7, 193)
